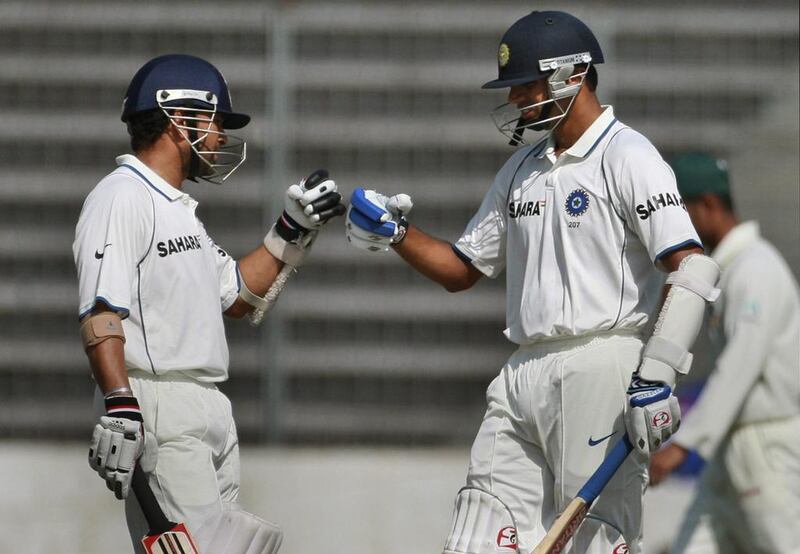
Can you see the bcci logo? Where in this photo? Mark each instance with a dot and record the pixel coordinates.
(503, 55)
(661, 419)
(577, 203)
(507, 539)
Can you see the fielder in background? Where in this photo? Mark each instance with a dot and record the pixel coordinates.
(581, 220)
(746, 422)
(153, 289)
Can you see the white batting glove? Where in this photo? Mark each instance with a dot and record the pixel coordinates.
(376, 221)
(653, 416)
(307, 206)
(312, 202)
(117, 442)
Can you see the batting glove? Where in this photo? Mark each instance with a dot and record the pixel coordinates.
(307, 206)
(375, 221)
(654, 414)
(117, 442)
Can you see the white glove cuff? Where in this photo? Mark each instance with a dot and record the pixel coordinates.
(287, 252)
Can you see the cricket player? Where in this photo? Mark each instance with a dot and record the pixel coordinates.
(584, 221)
(153, 289)
(746, 422)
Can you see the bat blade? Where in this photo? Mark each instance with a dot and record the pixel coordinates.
(563, 528)
(571, 518)
(175, 541)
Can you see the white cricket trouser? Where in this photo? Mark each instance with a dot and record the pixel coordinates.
(197, 466)
(553, 413)
(748, 500)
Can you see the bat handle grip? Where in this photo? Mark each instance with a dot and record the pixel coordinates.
(600, 478)
(153, 513)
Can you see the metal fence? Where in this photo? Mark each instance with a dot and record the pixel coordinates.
(385, 95)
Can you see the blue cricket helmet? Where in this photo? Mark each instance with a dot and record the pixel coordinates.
(539, 37)
(180, 71)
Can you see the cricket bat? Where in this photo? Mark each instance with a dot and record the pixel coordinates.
(571, 518)
(165, 536)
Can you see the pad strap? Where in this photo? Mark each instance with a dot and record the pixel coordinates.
(668, 352)
(100, 327)
(249, 296)
(694, 284)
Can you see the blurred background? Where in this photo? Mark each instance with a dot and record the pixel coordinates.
(358, 397)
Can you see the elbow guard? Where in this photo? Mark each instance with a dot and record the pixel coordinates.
(666, 355)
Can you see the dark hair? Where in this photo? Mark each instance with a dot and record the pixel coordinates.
(726, 200)
(145, 128)
(591, 78)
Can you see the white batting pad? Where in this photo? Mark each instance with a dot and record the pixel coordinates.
(239, 532)
(598, 536)
(482, 524)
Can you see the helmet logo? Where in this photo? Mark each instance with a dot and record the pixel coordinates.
(503, 55)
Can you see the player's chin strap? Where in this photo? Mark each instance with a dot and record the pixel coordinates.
(666, 357)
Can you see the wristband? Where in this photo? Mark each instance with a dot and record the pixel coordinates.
(402, 229)
(288, 229)
(117, 391)
(124, 406)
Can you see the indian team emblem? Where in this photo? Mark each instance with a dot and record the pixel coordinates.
(503, 55)
(577, 203)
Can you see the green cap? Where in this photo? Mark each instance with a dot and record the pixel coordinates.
(699, 174)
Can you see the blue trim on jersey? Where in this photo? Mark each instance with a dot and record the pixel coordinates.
(463, 257)
(123, 312)
(672, 249)
(603, 134)
(141, 316)
(146, 180)
(539, 147)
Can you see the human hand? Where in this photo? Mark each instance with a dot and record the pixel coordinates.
(653, 415)
(665, 461)
(117, 442)
(376, 221)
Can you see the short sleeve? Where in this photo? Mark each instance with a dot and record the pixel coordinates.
(649, 196)
(113, 234)
(483, 242)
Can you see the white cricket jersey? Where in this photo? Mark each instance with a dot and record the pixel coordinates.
(140, 249)
(755, 326)
(579, 234)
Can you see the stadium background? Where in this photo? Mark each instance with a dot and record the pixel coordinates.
(358, 397)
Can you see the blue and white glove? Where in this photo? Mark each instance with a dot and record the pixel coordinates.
(653, 416)
(375, 221)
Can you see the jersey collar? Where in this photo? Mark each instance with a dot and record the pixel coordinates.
(732, 244)
(151, 177)
(593, 135)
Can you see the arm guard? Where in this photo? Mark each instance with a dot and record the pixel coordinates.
(100, 327)
(666, 355)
